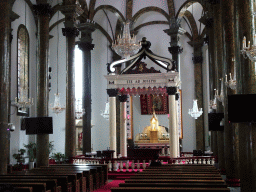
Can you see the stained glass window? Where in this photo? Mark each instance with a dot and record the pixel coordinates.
(23, 65)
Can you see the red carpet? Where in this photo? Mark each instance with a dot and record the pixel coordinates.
(107, 187)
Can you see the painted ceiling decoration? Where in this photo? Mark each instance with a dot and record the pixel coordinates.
(144, 52)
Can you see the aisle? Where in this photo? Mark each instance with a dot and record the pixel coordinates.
(107, 187)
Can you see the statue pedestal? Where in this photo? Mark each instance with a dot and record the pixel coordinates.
(153, 137)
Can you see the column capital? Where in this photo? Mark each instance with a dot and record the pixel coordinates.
(122, 98)
(175, 49)
(112, 92)
(43, 9)
(85, 46)
(70, 31)
(171, 90)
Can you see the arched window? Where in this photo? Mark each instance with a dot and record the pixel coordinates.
(22, 66)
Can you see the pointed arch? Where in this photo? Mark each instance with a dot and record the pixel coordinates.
(151, 23)
(148, 9)
(185, 6)
(112, 9)
(91, 9)
(192, 23)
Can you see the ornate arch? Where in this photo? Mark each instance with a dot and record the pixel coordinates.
(151, 23)
(185, 6)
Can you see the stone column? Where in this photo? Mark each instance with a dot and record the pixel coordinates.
(43, 11)
(123, 132)
(4, 83)
(173, 138)
(112, 93)
(197, 60)
(85, 44)
(175, 32)
(177, 124)
(247, 85)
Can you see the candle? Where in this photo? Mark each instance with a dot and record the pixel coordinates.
(248, 44)
(230, 76)
(244, 42)
(254, 40)
(226, 78)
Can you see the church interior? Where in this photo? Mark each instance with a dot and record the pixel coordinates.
(125, 79)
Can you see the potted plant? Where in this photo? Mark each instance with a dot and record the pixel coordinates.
(31, 150)
(59, 157)
(20, 159)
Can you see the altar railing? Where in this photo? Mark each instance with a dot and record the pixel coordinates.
(136, 164)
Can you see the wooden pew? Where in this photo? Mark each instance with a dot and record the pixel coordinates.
(203, 185)
(63, 182)
(74, 177)
(95, 172)
(51, 184)
(101, 169)
(155, 180)
(173, 177)
(174, 189)
(23, 189)
(85, 176)
(38, 187)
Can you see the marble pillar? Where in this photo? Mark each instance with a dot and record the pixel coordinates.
(123, 132)
(43, 12)
(85, 44)
(4, 83)
(112, 93)
(173, 138)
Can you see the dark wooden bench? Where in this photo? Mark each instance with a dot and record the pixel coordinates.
(92, 174)
(203, 185)
(23, 189)
(157, 189)
(38, 187)
(159, 180)
(63, 182)
(179, 175)
(51, 184)
(73, 177)
(173, 177)
(85, 175)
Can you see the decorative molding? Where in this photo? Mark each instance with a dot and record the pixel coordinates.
(171, 90)
(122, 98)
(70, 31)
(175, 49)
(43, 9)
(112, 92)
(197, 59)
(141, 68)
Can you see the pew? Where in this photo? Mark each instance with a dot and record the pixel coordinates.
(51, 184)
(157, 189)
(38, 187)
(63, 182)
(74, 177)
(23, 189)
(159, 180)
(173, 177)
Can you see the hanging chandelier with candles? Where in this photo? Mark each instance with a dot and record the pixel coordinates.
(23, 101)
(232, 81)
(220, 97)
(105, 113)
(249, 51)
(126, 45)
(195, 112)
(56, 107)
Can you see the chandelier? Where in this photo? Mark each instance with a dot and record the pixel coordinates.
(194, 112)
(79, 110)
(221, 96)
(213, 102)
(105, 113)
(23, 101)
(249, 51)
(57, 108)
(125, 45)
(232, 82)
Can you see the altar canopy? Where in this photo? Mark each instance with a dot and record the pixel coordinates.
(137, 79)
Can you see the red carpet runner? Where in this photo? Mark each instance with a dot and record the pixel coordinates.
(107, 187)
